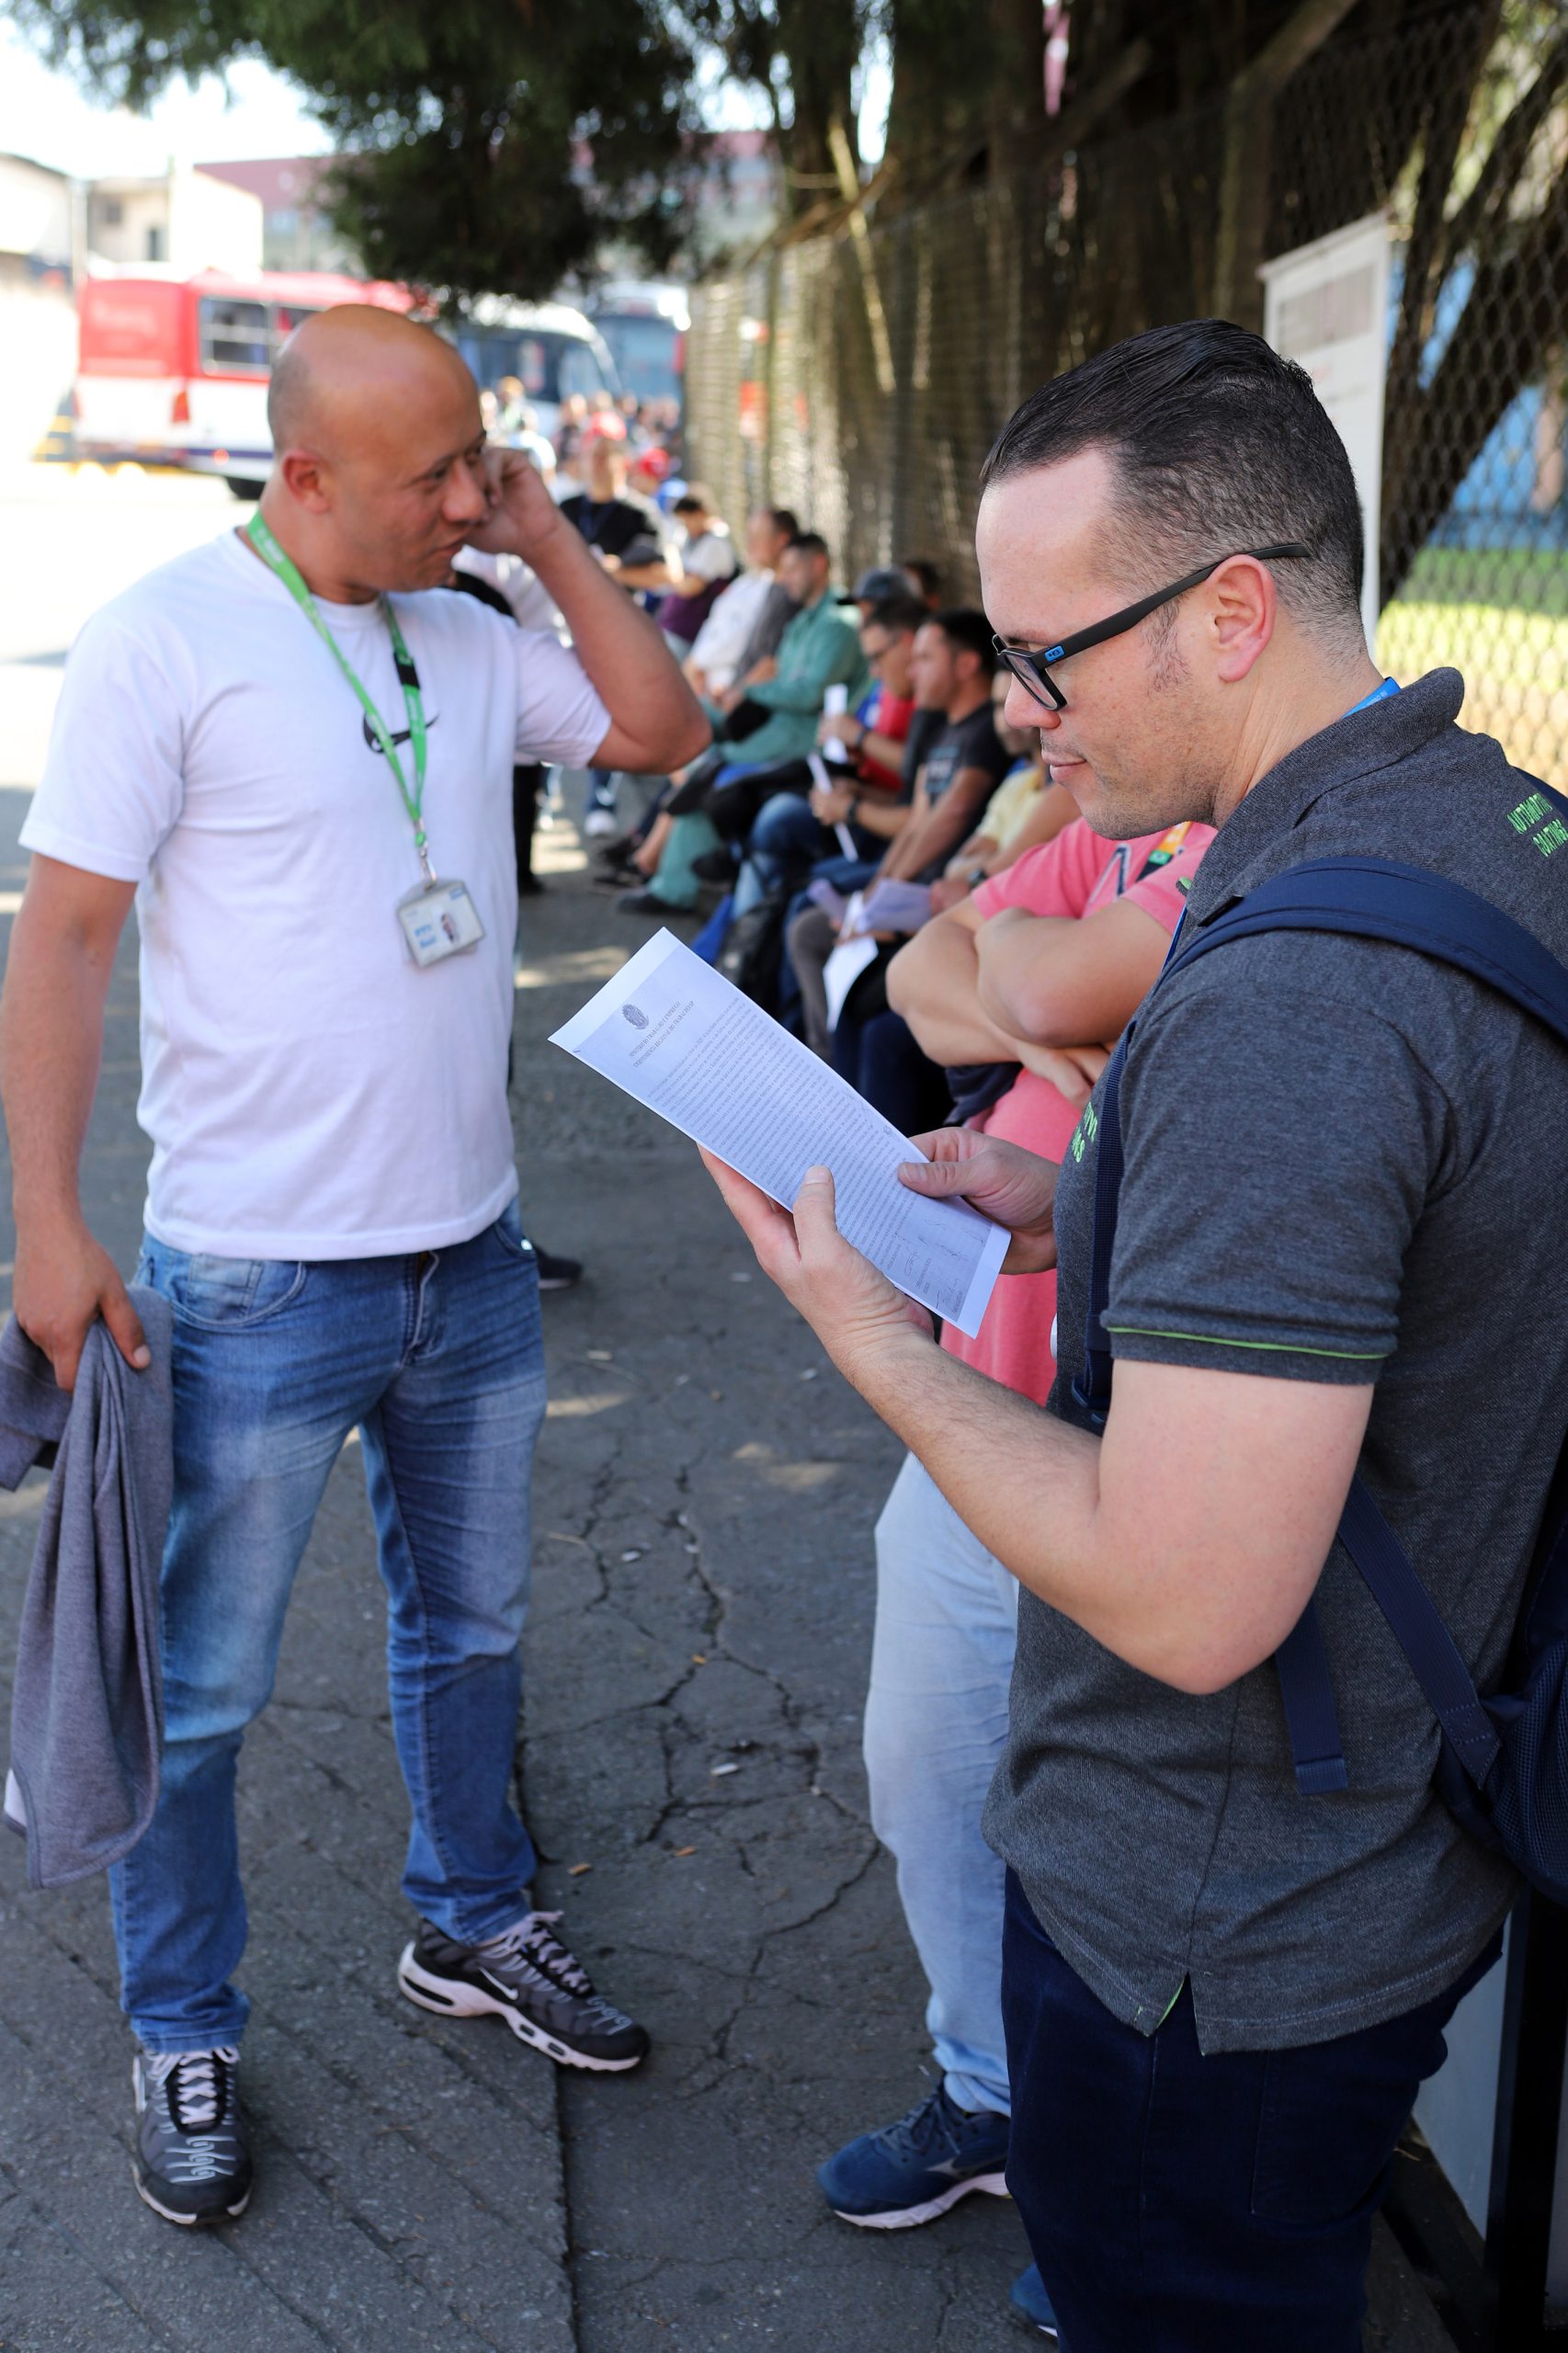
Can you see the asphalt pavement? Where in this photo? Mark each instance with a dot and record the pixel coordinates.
(688, 1759)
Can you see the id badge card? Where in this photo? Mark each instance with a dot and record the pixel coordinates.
(440, 920)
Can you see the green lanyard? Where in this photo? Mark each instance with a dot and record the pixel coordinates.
(262, 540)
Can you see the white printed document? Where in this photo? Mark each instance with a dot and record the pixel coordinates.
(678, 1036)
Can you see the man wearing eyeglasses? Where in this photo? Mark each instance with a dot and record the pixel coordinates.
(1337, 1243)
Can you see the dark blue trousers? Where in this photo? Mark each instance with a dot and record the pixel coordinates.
(1182, 2204)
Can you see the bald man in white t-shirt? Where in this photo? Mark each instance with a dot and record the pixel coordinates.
(299, 763)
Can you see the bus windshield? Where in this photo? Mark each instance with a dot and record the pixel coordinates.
(548, 366)
(647, 352)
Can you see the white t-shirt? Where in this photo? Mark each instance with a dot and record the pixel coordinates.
(724, 635)
(707, 556)
(532, 604)
(309, 1091)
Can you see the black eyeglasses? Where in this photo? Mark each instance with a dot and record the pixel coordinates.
(1033, 670)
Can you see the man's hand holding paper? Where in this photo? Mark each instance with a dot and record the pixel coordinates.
(677, 1036)
(856, 1312)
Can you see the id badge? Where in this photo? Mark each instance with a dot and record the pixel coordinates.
(440, 920)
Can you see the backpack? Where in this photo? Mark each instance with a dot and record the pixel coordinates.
(754, 949)
(1503, 1769)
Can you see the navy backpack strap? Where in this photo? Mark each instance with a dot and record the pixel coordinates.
(1377, 898)
(1311, 1720)
(1419, 1631)
(1369, 898)
(1091, 1388)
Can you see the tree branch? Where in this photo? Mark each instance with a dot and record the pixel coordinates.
(1510, 152)
(1243, 184)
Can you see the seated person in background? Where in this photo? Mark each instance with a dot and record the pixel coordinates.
(925, 578)
(625, 530)
(647, 473)
(1025, 811)
(699, 567)
(627, 535)
(773, 811)
(517, 425)
(749, 617)
(771, 806)
(1069, 940)
(741, 634)
(819, 648)
(872, 1045)
(882, 585)
(962, 762)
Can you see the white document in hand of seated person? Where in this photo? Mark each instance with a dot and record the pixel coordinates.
(677, 1036)
(895, 906)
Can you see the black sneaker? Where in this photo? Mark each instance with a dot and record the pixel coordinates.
(192, 2162)
(526, 1977)
(618, 852)
(647, 901)
(556, 1273)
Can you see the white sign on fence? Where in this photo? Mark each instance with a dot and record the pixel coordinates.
(1326, 305)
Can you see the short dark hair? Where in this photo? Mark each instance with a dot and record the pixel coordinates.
(926, 576)
(785, 519)
(1219, 444)
(806, 543)
(966, 631)
(899, 616)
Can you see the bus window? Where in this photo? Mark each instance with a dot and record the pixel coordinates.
(287, 316)
(532, 369)
(580, 372)
(235, 339)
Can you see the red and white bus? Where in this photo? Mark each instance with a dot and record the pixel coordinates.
(174, 371)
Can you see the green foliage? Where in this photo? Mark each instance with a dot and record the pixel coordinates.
(804, 57)
(464, 127)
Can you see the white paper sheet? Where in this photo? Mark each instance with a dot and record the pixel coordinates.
(676, 1035)
(845, 964)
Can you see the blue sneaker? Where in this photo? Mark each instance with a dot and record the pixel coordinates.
(1032, 2304)
(912, 2171)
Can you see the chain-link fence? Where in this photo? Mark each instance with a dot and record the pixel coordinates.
(861, 377)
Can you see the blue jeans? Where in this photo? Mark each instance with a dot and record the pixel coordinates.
(1179, 2203)
(438, 1359)
(880, 1059)
(786, 840)
(935, 1721)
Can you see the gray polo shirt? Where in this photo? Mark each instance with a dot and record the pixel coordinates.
(1344, 1163)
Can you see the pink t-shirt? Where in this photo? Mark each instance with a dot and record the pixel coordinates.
(1076, 874)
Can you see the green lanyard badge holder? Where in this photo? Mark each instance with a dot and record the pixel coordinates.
(438, 918)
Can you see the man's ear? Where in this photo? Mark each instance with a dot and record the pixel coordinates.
(307, 479)
(1243, 607)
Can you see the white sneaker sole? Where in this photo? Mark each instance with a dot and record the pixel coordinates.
(187, 2222)
(451, 1999)
(908, 2217)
